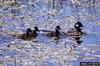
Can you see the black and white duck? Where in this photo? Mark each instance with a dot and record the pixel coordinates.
(76, 31)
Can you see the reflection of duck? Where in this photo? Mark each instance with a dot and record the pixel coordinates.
(79, 42)
(29, 35)
(77, 38)
(55, 34)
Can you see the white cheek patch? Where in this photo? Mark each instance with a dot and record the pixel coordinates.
(77, 25)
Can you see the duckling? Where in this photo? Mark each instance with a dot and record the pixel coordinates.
(55, 34)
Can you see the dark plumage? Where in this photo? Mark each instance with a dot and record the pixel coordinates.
(34, 34)
(77, 38)
(55, 34)
(36, 28)
(24, 36)
(57, 27)
(79, 42)
(28, 32)
(78, 26)
(29, 35)
(73, 33)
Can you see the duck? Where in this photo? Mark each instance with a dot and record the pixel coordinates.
(55, 33)
(28, 35)
(72, 32)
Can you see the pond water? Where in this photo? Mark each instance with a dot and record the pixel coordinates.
(45, 15)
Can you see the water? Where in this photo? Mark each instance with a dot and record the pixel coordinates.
(45, 52)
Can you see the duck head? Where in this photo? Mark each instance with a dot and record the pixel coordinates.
(36, 28)
(79, 24)
(57, 28)
(57, 33)
(28, 31)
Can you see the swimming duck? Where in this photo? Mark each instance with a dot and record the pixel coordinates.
(26, 36)
(55, 34)
(29, 35)
(72, 32)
